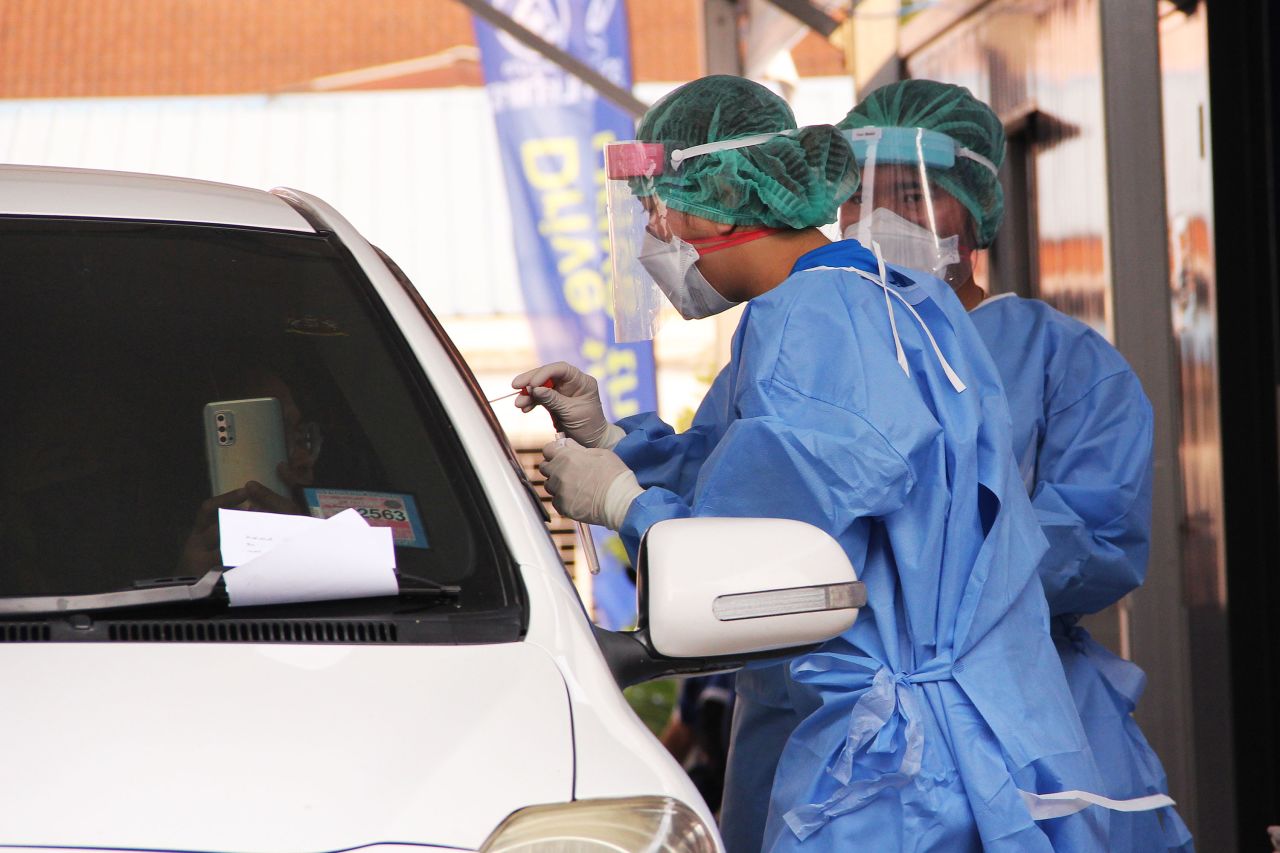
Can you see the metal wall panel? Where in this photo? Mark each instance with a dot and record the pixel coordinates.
(1039, 66)
(1194, 324)
(415, 170)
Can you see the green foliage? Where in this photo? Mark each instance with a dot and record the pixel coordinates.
(653, 701)
(613, 546)
(684, 419)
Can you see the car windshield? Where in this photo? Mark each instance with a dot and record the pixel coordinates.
(149, 367)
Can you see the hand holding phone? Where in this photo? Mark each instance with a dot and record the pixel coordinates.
(245, 441)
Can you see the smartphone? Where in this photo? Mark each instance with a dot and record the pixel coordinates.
(244, 440)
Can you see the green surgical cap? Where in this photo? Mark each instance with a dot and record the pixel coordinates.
(952, 110)
(794, 181)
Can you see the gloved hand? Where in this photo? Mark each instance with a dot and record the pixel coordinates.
(587, 484)
(573, 402)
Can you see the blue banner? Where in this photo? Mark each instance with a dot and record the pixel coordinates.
(552, 129)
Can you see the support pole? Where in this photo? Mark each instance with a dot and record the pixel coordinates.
(570, 63)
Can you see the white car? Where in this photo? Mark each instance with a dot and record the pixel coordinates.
(474, 708)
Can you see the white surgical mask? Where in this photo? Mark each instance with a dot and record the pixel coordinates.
(905, 243)
(674, 266)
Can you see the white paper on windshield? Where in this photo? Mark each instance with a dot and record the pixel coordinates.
(245, 535)
(287, 559)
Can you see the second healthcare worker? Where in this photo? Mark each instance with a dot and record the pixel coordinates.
(1082, 427)
(861, 401)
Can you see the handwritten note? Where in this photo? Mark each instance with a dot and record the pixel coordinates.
(286, 559)
(246, 535)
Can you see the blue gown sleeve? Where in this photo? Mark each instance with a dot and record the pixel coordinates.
(801, 444)
(659, 456)
(1093, 495)
(788, 465)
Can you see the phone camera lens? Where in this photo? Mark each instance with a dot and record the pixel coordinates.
(221, 418)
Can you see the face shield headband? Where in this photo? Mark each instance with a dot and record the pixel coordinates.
(637, 232)
(912, 145)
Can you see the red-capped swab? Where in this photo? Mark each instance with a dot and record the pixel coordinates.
(526, 390)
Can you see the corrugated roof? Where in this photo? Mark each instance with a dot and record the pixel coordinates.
(79, 48)
(88, 48)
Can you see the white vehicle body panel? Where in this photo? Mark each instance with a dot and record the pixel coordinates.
(276, 748)
(616, 755)
(50, 191)
(350, 745)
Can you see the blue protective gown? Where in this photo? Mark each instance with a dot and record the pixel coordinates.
(916, 729)
(1082, 434)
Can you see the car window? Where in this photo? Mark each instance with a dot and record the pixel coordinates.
(123, 345)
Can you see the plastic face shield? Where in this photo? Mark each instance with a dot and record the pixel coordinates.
(634, 210)
(638, 225)
(917, 225)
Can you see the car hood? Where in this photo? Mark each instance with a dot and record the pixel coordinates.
(264, 748)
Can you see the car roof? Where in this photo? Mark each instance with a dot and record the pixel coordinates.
(93, 193)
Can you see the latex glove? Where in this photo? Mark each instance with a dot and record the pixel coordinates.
(573, 402)
(588, 484)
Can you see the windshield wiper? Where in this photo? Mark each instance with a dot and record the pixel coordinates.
(144, 593)
(425, 588)
(182, 590)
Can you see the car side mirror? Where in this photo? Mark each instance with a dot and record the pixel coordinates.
(717, 592)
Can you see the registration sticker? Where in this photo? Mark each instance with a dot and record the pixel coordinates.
(379, 509)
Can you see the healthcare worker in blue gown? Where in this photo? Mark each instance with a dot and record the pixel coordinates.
(861, 400)
(1082, 426)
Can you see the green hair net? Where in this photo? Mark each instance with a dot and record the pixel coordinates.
(952, 110)
(793, 181)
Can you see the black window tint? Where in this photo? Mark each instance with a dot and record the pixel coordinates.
(114, 338)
